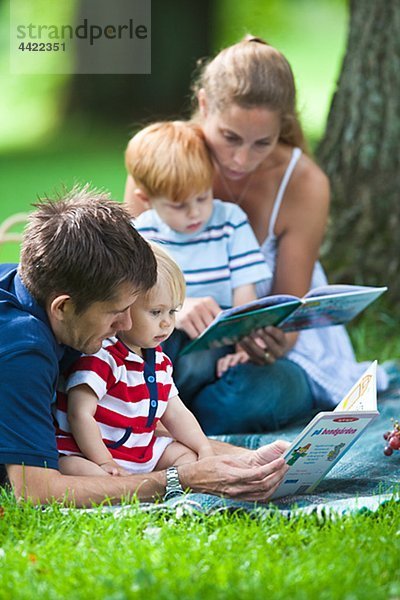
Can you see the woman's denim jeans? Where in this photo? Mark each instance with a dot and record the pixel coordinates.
(247, 399)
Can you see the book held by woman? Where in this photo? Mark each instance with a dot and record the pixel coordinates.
(321, 307)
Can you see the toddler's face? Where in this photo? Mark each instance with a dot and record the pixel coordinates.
(153, 319)
(188, 216)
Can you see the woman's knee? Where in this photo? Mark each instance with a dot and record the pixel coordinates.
(250, 399)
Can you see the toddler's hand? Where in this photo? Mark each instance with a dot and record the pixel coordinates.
(231, 360)
(113, 468)
(196, 314)
(205, 450)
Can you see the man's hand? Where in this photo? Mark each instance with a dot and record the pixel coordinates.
(196, 314)
(232, 472)
(251, 476)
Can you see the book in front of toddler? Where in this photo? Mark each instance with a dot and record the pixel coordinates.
(327, 438)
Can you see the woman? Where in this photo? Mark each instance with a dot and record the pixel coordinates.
(247, 108)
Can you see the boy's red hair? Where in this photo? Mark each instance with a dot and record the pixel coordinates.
(170, 159)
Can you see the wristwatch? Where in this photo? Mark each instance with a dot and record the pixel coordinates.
(173, 487)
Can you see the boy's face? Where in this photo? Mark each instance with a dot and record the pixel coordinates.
(188, 216)
(153, 319)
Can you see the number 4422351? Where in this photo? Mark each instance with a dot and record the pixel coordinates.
(42, 46)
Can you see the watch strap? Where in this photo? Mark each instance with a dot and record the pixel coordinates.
(173, 487)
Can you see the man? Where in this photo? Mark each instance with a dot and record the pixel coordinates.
(82, 265)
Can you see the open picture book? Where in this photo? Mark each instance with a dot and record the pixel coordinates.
(321, 307)
(327, 438)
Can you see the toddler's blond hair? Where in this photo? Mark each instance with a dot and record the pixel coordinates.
(169, 275)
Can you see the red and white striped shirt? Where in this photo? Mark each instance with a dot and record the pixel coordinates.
(126, 386)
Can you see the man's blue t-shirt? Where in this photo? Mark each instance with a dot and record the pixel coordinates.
(29, 367)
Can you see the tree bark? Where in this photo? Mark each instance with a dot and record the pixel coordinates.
(360, 151)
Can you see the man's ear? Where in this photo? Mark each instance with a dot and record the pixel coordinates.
(142, 196)
(60, 307)
(203, 102)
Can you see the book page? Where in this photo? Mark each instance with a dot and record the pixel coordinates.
(328, 290)
(320, 447)
(229, 330)
(362, 395)
(329, 435)
(258, 304)
(330, 309)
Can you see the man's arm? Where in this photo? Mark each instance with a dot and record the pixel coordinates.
(232, 472)
(43, 486)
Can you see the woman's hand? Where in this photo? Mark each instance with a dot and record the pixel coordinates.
(265, 346)
(196, 314)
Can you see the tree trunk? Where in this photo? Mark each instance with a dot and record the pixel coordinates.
(361, 151)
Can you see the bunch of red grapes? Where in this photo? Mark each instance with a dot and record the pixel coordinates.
(393, 439)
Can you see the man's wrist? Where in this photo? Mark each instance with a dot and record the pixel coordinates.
(173, 485)
(187, 476)
(206, 446)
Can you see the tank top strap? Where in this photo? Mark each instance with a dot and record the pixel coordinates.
(282, 189)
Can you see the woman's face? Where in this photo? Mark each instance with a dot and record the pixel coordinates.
(240, 138)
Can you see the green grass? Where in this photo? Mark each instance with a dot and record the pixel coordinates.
(375, 333)
(140, 555)
(31, 105)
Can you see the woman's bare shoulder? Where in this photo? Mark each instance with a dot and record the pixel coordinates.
(311, 173)
(309, 185)
(305, 206)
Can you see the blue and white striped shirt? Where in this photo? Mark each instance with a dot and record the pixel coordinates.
(215, 260)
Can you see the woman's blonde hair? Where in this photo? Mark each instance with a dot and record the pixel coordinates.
(169, 275)
(253, 74)
(170, 159)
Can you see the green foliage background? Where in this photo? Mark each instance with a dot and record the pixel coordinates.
(42, 147)
(312, 35)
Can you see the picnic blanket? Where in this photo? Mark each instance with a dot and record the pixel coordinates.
(363, 479)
